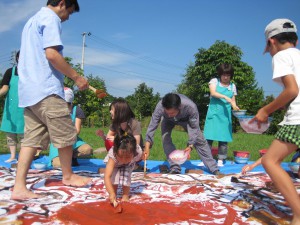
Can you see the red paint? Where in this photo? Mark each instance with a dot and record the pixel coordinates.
(147, 213)
(194, 190)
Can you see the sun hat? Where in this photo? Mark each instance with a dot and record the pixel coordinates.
(69, 95)
(279, 26)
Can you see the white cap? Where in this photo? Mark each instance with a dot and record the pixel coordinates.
(279, 26)
(69, 95)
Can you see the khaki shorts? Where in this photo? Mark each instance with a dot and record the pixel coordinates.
(49, 120)
(12, 139)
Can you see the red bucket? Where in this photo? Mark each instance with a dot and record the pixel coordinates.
(263, 151)
(108, 144)
(214, 151)
(241, 154)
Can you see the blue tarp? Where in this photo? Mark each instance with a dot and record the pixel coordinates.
(153, 165)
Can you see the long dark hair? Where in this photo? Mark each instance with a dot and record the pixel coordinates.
(126, 142)
(122, 113)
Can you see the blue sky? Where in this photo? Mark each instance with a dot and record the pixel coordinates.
(135, 41)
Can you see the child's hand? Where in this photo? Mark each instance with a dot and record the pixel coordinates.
(100, 133)
(112, 198)
(235, 107)
(246, 169)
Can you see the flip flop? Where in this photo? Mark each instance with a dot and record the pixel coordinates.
(163, 168)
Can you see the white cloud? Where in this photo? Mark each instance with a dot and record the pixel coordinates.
(94, 57)
(15, 11)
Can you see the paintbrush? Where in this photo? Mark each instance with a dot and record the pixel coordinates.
(145, 166)
(117, 206)
(99, 92)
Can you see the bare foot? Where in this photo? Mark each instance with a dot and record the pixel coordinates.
(125, 198)
(76, 181)
(24, 195)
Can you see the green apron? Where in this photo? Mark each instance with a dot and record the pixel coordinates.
(218, 123)
(13, 115)
(53, 152)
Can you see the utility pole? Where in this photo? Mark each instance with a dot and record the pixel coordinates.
(83, 47)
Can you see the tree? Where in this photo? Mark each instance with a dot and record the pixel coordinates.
(95, 109)
(143, 101)
(198, 74)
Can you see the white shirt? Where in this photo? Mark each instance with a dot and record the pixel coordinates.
(37, 78)
(215, 82)
(287, 62)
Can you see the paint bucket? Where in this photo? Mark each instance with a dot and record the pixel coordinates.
(262, 152)
(214, 151)
(241, 154)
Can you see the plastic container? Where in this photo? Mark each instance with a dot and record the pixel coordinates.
(178, 156)
(253, 127)
(294, 167)
(241, 160)
(238, 113)
(39, 165)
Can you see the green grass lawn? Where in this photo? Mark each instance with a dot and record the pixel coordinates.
(241, 141)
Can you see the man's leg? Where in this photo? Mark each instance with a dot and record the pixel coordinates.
(166, 130)
(20, 191)
(204, 152)
(70, 178)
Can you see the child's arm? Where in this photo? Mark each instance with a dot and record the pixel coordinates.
(233, 104)
(288, 94)
(107, 180)
(248, 168)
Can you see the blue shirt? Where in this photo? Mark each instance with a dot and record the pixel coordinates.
(37, 77)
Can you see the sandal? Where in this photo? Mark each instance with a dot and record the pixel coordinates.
(163, 169)
(175, 169)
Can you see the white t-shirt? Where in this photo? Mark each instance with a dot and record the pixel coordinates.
(287, 62)
(215, 82)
